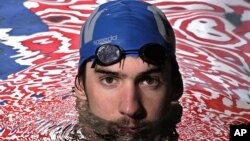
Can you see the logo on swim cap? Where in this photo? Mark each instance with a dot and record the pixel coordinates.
(106, 40)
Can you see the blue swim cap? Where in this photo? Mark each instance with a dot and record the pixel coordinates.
(128, 24)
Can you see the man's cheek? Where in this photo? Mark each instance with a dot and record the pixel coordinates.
(101, 107)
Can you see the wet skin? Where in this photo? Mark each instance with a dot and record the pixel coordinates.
(130, 94)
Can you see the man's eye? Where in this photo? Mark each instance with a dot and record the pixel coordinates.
(109, 80)
(150, 81)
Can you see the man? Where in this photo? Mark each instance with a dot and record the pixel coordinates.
(128, 74)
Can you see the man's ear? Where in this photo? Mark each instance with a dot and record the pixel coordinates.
(79, 91)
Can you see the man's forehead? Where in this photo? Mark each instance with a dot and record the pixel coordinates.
(130, 65)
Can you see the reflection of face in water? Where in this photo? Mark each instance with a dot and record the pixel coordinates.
(128, 102)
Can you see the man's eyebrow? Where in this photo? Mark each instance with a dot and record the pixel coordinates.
(150, 71)
(110, 72)
(104, 71)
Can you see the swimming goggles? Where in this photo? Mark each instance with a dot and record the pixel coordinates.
(109, 54)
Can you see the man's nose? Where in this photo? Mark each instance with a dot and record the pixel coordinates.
(130, 102)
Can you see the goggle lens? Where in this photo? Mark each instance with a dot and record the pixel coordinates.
(108, 54)
(153, 54)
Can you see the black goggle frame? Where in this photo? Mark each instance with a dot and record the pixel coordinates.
(109, 54)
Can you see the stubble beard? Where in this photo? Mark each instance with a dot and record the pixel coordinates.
(98, 129)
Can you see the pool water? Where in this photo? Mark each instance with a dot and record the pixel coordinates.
(39, 58)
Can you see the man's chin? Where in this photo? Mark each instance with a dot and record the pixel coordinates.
(96, 128)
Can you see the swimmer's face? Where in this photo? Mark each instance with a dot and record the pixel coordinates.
(130, 91)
